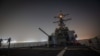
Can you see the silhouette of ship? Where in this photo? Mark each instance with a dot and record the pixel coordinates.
(62, 35)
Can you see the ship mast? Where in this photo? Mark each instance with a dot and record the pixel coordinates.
(61, 20)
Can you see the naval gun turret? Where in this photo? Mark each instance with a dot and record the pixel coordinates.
(51, 38)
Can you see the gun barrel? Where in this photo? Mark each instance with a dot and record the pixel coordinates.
(43, 32)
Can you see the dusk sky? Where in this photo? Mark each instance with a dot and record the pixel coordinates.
(20, 19)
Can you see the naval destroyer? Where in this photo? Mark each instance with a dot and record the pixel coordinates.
(62, 36)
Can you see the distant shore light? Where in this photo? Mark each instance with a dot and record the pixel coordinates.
(4, 41)
(14, 41)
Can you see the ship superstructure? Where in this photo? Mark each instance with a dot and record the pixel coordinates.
(62, 35)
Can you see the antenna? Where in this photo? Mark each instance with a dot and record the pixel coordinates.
(60, 16)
